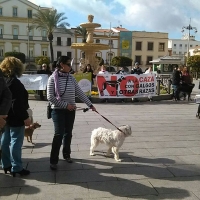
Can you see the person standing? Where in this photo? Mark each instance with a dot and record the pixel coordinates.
(62, 89)
(5, 103)
(149, 70)
(176, 79)
(44, 70)
(103, 71)
(121, 72)
(136, 70)
(18, 118)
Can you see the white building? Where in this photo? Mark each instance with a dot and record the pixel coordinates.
(15, 17)
(179, 47)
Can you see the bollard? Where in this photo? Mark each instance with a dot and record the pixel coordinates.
(158, 86)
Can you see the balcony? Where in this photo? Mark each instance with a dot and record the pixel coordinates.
(44, 38)
(1, 36)
(15, 37)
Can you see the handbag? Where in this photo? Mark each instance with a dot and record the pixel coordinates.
(49, 110)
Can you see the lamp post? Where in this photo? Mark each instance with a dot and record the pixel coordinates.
(110, 45)
(189, 28)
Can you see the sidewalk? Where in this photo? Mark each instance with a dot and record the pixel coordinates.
(161, 160)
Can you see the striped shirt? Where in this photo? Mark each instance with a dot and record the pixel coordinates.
(72, 90)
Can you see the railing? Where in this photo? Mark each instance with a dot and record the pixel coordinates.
(164, 81)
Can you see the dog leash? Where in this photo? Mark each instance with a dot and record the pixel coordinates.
(110, 122)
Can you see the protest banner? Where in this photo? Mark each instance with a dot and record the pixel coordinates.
(84, 81)
(126, 86)
(34, 81)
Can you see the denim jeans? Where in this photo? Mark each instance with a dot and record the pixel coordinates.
(11, 146)
(176, 91)
(63, 120)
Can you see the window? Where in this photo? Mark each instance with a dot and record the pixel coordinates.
(15, 33)
(161, 47)
(69, 54)
(138, 46)
(191, 45)
(174, 45)
(69, 41)
(44, 33)
(149, 58)
(16, 49)
(14, 12)
(29, 13)
(59, 53)
(1, 51)
(59, 41)
(180, 45)
(31, 52)
(180, 52)
(44, 51)
(174, 52)
(1, 11)
(1, 30)
(138, 59)
(150, 46)
(82, 54)
(97, 40)
(185, 45)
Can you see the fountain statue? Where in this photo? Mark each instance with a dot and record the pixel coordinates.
(90, 48)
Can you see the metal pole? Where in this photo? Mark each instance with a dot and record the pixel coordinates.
(110, 49)
(28, 52)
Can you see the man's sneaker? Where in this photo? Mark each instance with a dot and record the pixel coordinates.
(68, 159)
(53, 166)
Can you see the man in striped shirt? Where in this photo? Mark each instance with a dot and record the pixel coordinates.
(62, 89)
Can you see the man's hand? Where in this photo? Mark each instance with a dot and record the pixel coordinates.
(27, 122)
(2, 120)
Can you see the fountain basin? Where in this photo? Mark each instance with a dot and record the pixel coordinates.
(89, 46)
(90, 25)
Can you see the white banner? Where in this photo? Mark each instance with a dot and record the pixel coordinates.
(126, 86)
(34, 81)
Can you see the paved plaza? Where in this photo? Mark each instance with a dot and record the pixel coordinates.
(161, 160)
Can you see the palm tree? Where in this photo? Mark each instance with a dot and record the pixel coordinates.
(81, 31)
(50, 19)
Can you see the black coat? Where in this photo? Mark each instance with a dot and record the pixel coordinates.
(18, 111)
(5, 96)
(176, 77)
(137, 71)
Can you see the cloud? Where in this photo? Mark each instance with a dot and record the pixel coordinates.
(158, 15)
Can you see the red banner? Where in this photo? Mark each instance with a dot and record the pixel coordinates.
(126, 86)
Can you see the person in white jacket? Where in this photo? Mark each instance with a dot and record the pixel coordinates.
(149, 70)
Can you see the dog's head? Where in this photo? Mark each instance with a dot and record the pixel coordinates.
(36, 125)
(126, 130)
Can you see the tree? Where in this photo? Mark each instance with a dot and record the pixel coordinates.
(50, 19)
(19, 55)
(42, 59)
(121, 61)
(82, 32)
(194, 63)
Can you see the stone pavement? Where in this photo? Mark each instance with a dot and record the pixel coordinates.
(161, 160)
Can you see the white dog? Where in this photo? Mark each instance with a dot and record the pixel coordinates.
(113, 139)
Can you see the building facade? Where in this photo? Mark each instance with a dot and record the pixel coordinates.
(180, 47)
(17, 33)
(147, 46)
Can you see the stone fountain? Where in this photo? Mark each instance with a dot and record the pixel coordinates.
(90, 47)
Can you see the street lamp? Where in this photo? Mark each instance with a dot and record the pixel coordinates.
(189, 28)
(110, 33)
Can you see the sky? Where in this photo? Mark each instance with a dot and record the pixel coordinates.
(168, 16)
